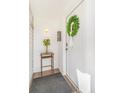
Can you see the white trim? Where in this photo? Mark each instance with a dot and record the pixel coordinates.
(73, 9)
(73, 83)
(30, 84)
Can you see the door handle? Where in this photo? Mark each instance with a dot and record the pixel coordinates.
(66, 48)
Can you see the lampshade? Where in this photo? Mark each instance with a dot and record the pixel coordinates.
(46, 33)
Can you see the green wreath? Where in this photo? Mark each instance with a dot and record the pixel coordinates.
(72, 24)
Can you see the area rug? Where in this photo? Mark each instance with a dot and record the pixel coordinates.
(50, 84)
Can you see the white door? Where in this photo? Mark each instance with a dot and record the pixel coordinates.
(79, 57)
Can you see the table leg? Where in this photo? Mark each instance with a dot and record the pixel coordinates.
(52, 60)
(41, 66)
(51, 64)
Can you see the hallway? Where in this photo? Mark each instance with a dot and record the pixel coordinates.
(62, 37)
(59, 46)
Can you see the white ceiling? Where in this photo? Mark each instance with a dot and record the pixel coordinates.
(49, 8)
(46, 8)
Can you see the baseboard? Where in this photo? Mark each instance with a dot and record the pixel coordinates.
(72, 84)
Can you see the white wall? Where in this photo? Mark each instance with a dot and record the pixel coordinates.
(30, 56)
(30, 47)
(47, 14)
(39, 25)
(80, 58)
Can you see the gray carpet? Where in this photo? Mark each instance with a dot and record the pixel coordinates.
(50, 84)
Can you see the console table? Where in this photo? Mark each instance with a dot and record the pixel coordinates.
(47, 55)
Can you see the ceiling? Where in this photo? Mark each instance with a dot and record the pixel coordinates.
(49, 8)
(46, 8)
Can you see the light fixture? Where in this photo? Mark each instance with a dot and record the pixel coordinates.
(46, 33)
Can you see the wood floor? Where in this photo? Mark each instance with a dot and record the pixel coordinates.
(45, 73)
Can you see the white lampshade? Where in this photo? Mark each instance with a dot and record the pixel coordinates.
(46, 33)
(46, 30)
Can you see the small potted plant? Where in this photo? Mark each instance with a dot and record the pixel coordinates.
(46, 43)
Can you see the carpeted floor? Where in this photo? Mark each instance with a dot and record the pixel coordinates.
(51, 84)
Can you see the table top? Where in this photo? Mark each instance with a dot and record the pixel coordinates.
(47, 54)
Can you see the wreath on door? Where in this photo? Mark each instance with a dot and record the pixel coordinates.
(72, 25)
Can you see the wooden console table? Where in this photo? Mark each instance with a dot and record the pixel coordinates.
(47, 55)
